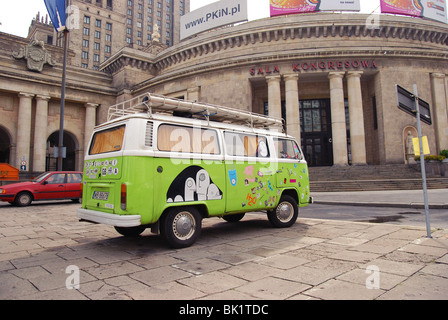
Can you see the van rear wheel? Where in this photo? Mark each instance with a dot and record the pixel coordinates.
(285, 214)
(181, 226)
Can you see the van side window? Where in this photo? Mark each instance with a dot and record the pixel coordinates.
(109, 140)
(287, 149)
(245, 145)
(174, 138)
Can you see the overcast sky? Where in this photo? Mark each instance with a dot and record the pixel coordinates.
(16, 15)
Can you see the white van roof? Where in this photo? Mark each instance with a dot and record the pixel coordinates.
(151, 104)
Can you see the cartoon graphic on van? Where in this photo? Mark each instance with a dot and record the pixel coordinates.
(193, 184)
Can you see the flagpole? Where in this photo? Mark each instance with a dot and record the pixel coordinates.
(61, 119)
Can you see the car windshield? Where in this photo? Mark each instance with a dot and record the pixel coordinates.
(41, 177)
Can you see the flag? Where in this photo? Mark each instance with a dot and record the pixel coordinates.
(56, 11)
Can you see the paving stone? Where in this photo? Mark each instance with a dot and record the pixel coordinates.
(436, 269)
(395, 267)
(342, 290)
(272, 288)
(13, 287)
(159, 275)
(201, 266)
(229, 295)
(112, 269)
(56, 294)
(251, 271)
(426, 250)
(443, 259)
(308, 275)
(420, 286)
(235, 258)
(407, 234)
(355, 256)
(346, 241)
(386, 281)
(213, 282)
(283, 261)
(98, 290)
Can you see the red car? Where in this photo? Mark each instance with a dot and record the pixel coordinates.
(47, 186)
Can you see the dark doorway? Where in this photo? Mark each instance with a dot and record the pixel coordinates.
(5, 146)
(69, 163)
(316, 133)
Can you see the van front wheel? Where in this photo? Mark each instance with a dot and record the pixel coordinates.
(285, 214)
(181, 226)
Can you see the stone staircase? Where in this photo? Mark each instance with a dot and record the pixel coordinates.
(372, 178)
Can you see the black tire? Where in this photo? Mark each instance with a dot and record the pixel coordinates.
(181, 226)
(234, 217)
(23, 199)
(285, 214)
(130, 231)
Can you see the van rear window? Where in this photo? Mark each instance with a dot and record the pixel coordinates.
(109, 140)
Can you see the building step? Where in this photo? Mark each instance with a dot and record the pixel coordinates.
(372, 178)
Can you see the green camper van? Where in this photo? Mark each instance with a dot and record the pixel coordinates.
(166, 164)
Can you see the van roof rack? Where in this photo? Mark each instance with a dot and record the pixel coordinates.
(151, 103)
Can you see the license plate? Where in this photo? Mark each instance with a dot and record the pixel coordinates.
(100, 195)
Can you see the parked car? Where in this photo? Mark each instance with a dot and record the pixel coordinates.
(48, 186)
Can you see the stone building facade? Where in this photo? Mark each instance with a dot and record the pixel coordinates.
(103, 27)
(332, 77)
(30, 100)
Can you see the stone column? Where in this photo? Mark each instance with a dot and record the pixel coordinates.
(90, 122)
(357, 132)
(24, 130)
(40, 133)
(292, 106)
(338, 125)
(440, 110)
(274, 96)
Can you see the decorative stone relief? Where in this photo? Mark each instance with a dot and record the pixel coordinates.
(36, 56)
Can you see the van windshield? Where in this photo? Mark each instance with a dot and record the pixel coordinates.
(109, 140)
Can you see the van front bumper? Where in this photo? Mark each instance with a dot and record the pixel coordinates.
(109, 219)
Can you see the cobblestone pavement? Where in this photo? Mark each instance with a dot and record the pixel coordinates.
(249, 260)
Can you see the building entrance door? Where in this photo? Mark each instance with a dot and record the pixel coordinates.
(69, 163)
(316, 134)
(5, 146)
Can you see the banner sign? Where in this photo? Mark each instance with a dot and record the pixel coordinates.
(282, 7)
(432, 9)
(215, 15)
(56, 11)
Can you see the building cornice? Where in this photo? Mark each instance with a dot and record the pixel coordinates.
(129, 57)
(337, 36)
(307, 26)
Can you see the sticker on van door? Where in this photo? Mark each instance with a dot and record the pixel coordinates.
(193, 184)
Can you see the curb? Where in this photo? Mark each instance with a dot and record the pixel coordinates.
(381, 205)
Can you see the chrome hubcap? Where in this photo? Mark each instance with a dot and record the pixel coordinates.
(184, 225)
(285, 211)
